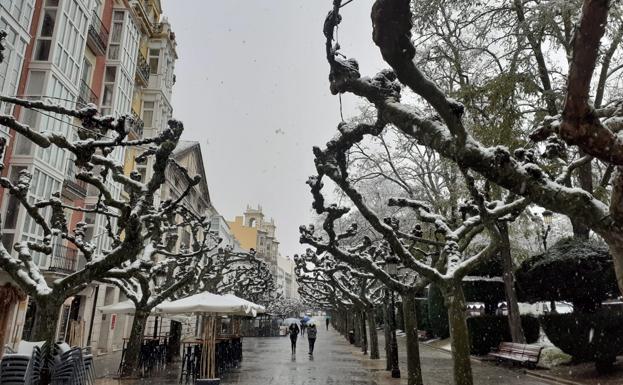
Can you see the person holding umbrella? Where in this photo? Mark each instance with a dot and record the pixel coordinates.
(294, 333)
(311, 336)
(304, 325)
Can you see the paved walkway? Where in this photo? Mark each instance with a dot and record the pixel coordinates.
(437, 367)
(267, 361)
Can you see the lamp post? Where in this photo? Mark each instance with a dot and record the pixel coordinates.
(391, 267)
(160, 279)
(547, 221)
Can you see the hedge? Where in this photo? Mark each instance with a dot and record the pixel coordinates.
(437, 313)
(572, 270)
(595, 337)
(421, 312)
(486, 332)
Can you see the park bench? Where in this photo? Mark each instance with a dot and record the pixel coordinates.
(521, 353)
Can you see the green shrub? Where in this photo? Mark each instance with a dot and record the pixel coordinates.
(572, 270)
(421, 312)
(486, 332)
(437, 313)
(489, 292)
(593, 337)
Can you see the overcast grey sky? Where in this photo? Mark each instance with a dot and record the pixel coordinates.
(252, 88)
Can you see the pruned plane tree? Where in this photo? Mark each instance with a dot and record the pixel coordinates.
(443, 259)
(357, 290)
(137, 224)
(442, 115)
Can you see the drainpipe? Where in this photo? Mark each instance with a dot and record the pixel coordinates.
(97, 288)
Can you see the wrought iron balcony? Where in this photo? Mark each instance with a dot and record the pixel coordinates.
(138, 125)
(142, 69)
(86, 95)
(98, 36)
(64, 259)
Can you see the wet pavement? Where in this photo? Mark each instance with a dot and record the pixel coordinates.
(437, 367)
(267, 361)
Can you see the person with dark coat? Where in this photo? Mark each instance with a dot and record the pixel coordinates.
(293, 330)
(303, 327)
(311, 337)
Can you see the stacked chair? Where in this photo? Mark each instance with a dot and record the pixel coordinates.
(21, 369)
(68, 366)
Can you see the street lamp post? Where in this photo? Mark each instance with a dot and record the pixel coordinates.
(391, 266)
(547, 221)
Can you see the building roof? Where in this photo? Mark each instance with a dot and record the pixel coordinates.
(183, 148)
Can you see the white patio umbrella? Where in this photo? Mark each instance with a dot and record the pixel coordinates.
(208, 303)
(128, 307)
(259, 309)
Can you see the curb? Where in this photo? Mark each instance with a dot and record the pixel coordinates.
(551, 379)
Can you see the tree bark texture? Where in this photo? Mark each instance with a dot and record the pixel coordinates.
(508, 275)
(387, 333)
(414, 370)
(374, 338)
(44, 329)
(364, 336)
(459, 335)
(133, 350)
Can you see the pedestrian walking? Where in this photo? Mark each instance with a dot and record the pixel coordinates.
(293, 330)
(311, 337)
(328, 320)
(303, 327)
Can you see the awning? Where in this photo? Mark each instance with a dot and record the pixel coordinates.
(259, 309)
(127, 307)
(208, 303)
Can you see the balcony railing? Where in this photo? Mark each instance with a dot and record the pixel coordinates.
(138, 125)
(142, 69)
(77, 186)
(86, 95)
(98, 36)
(64, 259)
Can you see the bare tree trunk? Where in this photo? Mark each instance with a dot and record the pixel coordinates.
(133, 350)
(374, 338)
(387, 332)
(514, 317)
(44, 329)
(357, 329)
(455, 300)
(414, 370)
(364, 338)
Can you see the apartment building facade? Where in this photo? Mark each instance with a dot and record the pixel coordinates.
(255, 232)
(116, 54)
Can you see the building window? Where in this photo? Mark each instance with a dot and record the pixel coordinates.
(115, 35)
(44, 40)
(148, 114)
(154, 59)
(110, 75)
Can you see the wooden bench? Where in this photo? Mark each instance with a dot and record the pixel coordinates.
(522, 353)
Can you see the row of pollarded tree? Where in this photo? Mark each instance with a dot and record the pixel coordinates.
(142, 260)
(505, 129)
